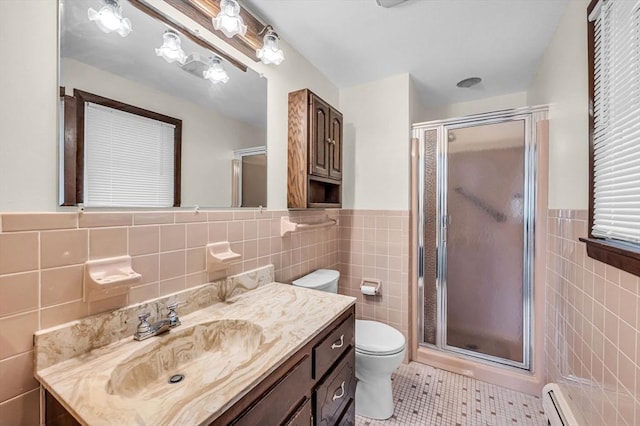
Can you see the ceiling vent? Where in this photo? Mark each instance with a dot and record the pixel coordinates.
(389, 3)
(196, 64)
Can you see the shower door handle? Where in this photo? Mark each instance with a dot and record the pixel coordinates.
(445, 231)
(446, 221)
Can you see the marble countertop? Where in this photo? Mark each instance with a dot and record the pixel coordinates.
(288, 316)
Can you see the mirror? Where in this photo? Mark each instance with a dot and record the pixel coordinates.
(217, 120)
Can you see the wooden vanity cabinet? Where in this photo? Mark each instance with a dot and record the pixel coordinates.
(315, 152)
(316, 386)
(55, 414)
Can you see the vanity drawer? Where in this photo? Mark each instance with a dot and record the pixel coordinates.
(333, 346)
(302, 417)
(336, 391)
(282, 399)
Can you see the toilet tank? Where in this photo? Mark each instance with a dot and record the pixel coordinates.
(322, 279)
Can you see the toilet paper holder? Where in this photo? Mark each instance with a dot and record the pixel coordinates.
(370, 286)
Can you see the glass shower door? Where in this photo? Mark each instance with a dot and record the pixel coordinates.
(484, 233)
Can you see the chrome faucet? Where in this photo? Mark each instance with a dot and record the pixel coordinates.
(146, 330)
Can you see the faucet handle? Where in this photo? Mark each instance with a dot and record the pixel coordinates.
(174, 321)
(144, 326)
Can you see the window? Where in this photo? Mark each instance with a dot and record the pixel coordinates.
(614, 80)
(128, 159)
(118, 155)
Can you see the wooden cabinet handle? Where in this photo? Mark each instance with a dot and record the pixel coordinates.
(336, 345)
(339, 390)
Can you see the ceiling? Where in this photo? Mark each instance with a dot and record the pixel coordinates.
(439, 42)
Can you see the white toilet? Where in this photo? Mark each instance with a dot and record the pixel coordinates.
(379, 351)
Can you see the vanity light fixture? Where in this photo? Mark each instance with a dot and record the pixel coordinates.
(270, 52)
(229, 20)
(109, 18)
(170, 50)
(216, 73)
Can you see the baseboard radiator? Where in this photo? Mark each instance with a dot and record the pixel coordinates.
(556, 407)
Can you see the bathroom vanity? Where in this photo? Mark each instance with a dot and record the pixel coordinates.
(315, 386)
(276, 354)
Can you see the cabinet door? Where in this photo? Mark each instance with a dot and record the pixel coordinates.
(276, 406)
(336, 391)
(335, 149)
(319, 137)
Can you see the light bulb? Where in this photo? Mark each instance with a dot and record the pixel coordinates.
(229, 20)
(270, 52)
(170, 50)
(109, 18)
(216, 73)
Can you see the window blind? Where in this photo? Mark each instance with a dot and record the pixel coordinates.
(616, 136)
(129, 159)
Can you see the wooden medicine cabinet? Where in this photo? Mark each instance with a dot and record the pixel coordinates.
(314, 177)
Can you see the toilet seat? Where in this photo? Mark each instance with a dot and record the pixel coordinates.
(376, 338)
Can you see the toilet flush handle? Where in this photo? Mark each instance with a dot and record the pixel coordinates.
(336, 345)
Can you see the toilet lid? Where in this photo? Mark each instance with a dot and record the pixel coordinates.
(374, 337)
(319, 278)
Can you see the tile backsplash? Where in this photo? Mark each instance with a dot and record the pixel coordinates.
(592, 337)
(42, 259)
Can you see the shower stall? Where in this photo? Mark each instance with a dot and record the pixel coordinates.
(475, 235)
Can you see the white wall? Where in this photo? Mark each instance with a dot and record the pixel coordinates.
(208, 138)
(417, 110)
(28, 35)
(496, 103)
(28, 150)
(377, 133)
(561, 81)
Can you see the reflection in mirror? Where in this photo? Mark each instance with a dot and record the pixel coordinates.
(218, 118)
(250, 177)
